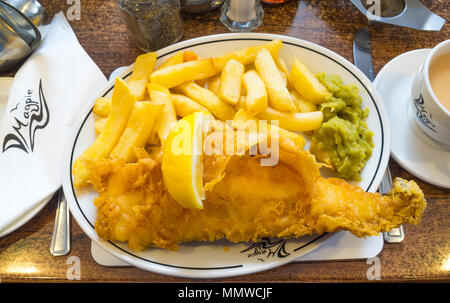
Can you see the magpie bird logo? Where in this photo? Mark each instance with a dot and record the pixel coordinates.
(266, 249)
(29, 116)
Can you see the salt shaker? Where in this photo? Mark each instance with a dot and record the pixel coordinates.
(242, 15)
(153, 24)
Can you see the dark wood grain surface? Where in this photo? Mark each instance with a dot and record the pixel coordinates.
(423, 255)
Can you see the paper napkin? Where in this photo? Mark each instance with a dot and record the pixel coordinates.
(47, 93)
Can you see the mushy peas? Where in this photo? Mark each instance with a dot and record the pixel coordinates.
(343, 141)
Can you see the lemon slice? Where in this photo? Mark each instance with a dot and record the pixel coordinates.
(182, 160)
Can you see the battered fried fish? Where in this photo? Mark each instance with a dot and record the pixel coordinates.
(244, 201)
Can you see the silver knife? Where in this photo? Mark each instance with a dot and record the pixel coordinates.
(362, 55)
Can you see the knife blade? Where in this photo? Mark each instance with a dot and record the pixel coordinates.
(362, 53)
(362, 57)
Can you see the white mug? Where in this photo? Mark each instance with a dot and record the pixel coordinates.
(431, 115)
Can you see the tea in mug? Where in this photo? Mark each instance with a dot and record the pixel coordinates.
(439, 75)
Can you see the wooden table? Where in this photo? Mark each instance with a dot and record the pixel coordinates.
(423, 255)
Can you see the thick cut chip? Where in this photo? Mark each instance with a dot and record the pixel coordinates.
(256, 98)
(180, 73)
(122, 106)
(247, 55)
(284, 72)
(289, 141)
(242, 103)
(277, 92)
(99, 125)
(102, 107)
(294, 122)
(175, 59)
(303, 105)
(214, 84)
(208, 99)
(161, 95)
(231, 82)
(189, 56)
(142, 69)
(137, 131)
(306, 84)
(185, 105)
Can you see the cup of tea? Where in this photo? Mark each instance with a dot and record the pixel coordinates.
(430, 94)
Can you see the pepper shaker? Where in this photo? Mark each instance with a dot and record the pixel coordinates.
(242, 15)
(152, 24)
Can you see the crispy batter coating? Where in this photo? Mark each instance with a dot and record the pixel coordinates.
(244, 201)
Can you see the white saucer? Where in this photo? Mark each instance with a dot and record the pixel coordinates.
(423, 157)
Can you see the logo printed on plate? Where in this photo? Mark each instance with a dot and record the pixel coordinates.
(28, 115)
(422, 115)
(265, 249)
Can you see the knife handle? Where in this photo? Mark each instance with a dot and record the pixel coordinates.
(60, 245)
(396, 235)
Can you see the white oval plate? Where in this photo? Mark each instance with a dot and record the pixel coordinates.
(223, 258)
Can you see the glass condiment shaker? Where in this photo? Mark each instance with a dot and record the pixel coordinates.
(242, 15)
(152, 24)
